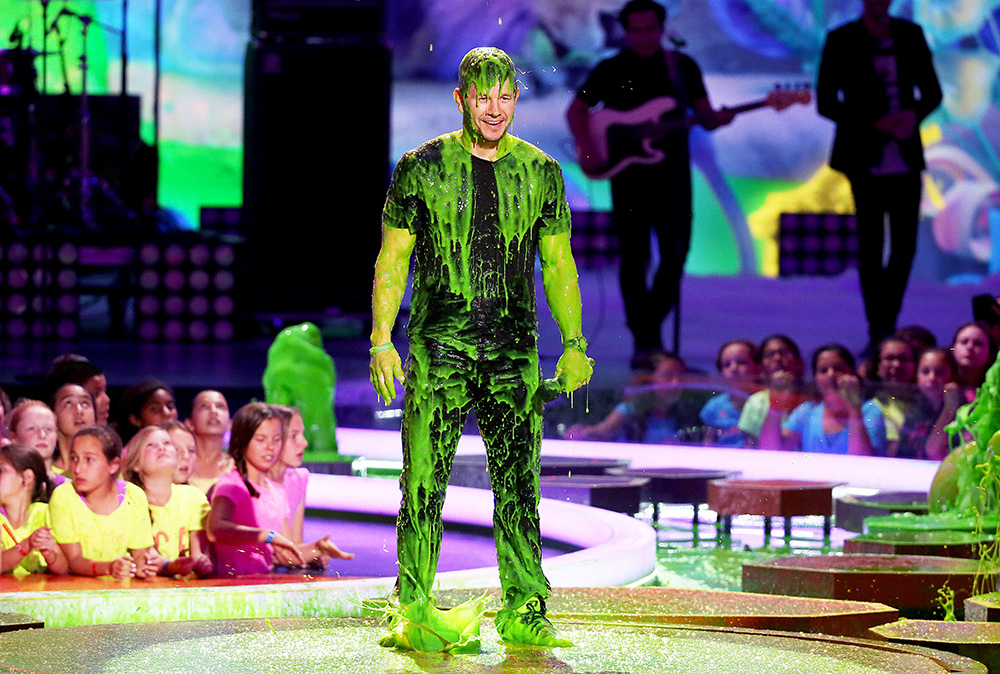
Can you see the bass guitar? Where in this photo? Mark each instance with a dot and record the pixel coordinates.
(622, 138)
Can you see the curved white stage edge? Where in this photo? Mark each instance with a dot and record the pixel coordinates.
(615, 549)
(866, 472)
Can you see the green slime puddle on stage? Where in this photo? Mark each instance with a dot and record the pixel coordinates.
(350, 646)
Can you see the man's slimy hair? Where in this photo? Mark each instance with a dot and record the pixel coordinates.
(484, 67)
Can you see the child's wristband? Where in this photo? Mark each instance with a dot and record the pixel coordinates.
(20, 548)
(163, 567)
(270, 536)
(380, 348)
(93, 568)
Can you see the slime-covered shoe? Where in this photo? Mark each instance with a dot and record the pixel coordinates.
(421, 626)
(528, 625)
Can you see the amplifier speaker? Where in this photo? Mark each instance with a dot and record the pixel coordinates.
(316, 168)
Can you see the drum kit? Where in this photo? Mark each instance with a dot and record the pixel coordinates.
(47, 177)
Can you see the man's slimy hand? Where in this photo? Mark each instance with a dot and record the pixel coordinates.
(575, 367)
(383, 368)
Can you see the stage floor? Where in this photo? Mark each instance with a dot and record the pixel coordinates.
(350, 646)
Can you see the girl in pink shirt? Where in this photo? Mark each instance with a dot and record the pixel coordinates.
(250, 516)
(289, 471)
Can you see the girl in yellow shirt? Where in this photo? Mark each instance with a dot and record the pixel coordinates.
(101, 522)
(177, 511)
(28, 546)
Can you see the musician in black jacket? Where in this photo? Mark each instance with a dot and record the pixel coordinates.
(646, 197)
(877, 82)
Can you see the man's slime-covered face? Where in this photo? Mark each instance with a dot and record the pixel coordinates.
(486, 94)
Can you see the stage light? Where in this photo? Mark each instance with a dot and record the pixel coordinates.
(174, 255)
(173, 330)
(223, 331)
(149, 279)
(223, 305)
(40, 329)
(149, 254)
(199, 331)
(224, 280)
(188, 281)
(66, 328)
(68, 254)
(17, 278)
(148, 305)
(225, 255)
(41, 253)
(173, 305)
(17, 304)
(66, 279)
(41, 278)
(17, 329)
(68, 304)
(173, 280)
(199, 305)
(17, 253)
(149, 330)
(200, 255)
(199, 280)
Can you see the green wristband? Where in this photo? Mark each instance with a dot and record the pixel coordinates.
(578, 343)
(380, 348)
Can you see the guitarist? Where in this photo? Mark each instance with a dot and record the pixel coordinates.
(646, 197)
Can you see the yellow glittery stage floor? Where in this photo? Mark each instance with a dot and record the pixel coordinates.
(614, 631)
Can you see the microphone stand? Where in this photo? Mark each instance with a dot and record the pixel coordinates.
(86, 180)
(45, 46)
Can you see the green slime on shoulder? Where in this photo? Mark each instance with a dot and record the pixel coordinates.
(301, 374)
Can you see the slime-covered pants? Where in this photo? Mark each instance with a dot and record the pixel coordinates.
(442, 386)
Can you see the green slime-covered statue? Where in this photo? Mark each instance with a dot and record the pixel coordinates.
(300, 373)
(968, 481)
(473, 209)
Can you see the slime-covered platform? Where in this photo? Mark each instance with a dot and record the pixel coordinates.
(350, 645)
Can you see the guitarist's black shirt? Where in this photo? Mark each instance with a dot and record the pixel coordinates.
(626, 81)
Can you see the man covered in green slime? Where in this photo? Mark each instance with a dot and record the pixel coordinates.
(473, 208)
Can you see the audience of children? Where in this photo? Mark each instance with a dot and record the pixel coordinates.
(33, 424)
(73, 368)
(5, 409)
(177, 511)
(26, 536)
(209, 423)
(183, 440)
(764, 411)
(146, 404)
(738, 361)
(923, 434)
(895, 376)
(840, 423)
(658, 408)
(974, 351)
(96, 524)
(101, 522)
(74, 409)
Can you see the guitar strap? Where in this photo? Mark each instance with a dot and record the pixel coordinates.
(676, 77)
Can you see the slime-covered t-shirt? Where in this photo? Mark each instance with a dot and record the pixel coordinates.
(477, 225)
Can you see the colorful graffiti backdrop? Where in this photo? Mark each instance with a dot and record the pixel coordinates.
(764, 163)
